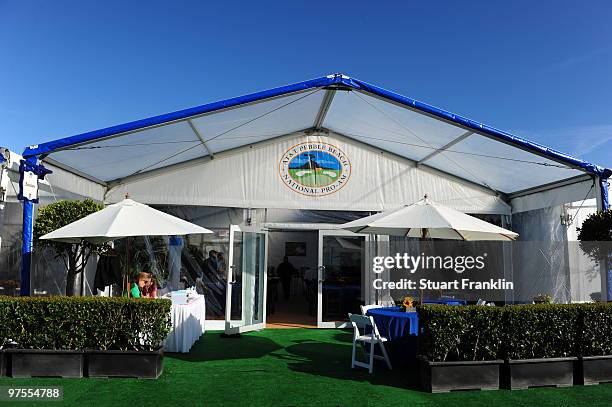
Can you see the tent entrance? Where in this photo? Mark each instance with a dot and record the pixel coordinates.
(316, 275)
(341, 277)
(292, 278)
(245, 308)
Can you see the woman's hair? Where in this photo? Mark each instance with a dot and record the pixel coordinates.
(143, 275)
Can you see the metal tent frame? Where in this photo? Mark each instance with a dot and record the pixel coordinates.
(310, 114)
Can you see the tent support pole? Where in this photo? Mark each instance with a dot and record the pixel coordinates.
(604, 268)
(26, 246)
(30, 164)
(445, 147)
(197, 133)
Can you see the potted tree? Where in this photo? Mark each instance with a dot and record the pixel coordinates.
(460, 347)
(595, 236)
(74, 255)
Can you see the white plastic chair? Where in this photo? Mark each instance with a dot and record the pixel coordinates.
(365, 308)
(361, 322)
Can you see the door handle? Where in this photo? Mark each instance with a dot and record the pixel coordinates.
(323, 276)
(234, 268)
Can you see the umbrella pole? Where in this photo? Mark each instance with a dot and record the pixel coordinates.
(423, 239)
(127, 265)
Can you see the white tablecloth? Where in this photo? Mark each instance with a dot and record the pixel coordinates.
(187, 325)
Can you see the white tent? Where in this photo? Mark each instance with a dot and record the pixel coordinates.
(236, 155)
(395, 148)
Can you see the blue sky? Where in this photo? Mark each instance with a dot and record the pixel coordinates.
(540, 70)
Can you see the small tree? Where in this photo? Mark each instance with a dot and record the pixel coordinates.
(596, 228)
(74, 255)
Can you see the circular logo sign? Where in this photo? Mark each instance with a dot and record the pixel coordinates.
(314, 169)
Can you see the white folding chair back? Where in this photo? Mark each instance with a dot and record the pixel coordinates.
(365, 308)
(361, 323)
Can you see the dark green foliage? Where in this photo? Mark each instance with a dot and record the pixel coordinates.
(541, 331)
(60, 214)
(451, 333)
(595, 329)
(84, 322)
(596, 228)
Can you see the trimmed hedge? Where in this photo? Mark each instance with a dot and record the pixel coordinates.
(541, 331)
(72, 323)
(452, 333)
(595, 329)
(460, 332)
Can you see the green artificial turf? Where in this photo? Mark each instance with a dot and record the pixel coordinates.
(289, 367)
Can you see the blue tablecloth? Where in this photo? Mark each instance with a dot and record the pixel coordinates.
(402, 329)
(394, 324)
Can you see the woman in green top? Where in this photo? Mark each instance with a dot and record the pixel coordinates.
(137, 287)
(144, 286)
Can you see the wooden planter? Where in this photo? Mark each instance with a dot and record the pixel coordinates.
(45, 363)
(594, 369)
(117, 363)
(436, 377)
(525, 373)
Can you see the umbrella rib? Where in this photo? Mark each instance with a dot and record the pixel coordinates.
(460, 235)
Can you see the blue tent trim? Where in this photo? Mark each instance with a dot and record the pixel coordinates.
(51, 146)
(336, 79)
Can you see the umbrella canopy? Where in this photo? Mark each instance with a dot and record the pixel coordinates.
(429, 219)
(124, 219)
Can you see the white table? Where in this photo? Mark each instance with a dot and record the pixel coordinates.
(187, 325)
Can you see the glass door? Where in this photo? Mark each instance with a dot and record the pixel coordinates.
(245, 308)
(341, 282)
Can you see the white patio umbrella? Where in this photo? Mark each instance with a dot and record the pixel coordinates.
(427, 219)
(124, 219)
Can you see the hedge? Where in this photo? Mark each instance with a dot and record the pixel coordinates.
(461, 332)
(541, 331)
(454, 333)
(72, 323)
(595, 329)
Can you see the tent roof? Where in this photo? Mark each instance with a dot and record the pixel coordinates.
(333, 104)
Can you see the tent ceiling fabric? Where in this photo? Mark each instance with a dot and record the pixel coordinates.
(363, 112)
